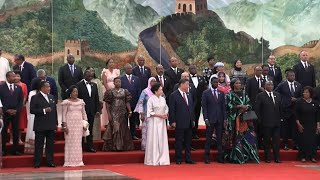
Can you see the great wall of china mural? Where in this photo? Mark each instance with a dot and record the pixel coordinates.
(45, 31)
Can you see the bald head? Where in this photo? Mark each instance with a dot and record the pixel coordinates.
(185, 75)
(159, 69)
(304, 56)
(174, 62)
(141, 60)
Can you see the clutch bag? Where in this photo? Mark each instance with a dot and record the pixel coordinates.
(249, 115)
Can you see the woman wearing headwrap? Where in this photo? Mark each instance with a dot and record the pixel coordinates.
(240, 138)
(141, 108)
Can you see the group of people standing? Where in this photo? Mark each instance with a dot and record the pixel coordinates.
(228, 102)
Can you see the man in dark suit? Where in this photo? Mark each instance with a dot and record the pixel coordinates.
(268, 109)
(265, 73)
(164, 81)
(192, 89)
(214, 115)
(41, 74)
(274, 71)
(290, 91)
(69, 74)
(181, 113)
(253, 87)
(43, 106)
(88, 91)
(305, 72)
(27, 70)
(174, 73)
(200, 85)
(143, 72)
(132, 84)
(12, 98)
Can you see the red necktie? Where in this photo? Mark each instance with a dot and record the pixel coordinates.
(129, 78)
(185, 98)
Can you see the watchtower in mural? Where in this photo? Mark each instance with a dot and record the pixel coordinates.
(197, 7)
(77, 48)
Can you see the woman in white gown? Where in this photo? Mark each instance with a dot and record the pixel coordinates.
(157, 148)
(30, 136)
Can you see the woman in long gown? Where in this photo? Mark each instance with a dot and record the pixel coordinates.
(117, 136)
(141, 108)
(23, 113)
(73, 114)
(96, 131)
(239, 138)
(107, 76)
(157, 148)
(30, 136)
(307, 114)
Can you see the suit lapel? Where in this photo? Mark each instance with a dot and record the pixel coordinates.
(44, 99)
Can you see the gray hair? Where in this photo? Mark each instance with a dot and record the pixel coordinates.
(41, 72)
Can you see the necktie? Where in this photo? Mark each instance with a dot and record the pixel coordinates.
(291, 89)
(273, 71)
(185, 98)
(175, 70)
(71, 70)
(270, 95)
(141, 70)
(20, 68)
(11, 89)
(129, 78)
(259, 81)
(265, 78)
(215, 94)
(160, 79)
(305, 65)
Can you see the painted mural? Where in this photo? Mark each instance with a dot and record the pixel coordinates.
(45, 31)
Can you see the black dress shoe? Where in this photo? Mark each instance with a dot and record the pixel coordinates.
(286, 147)
(51, 165)
(192, 149)
(178, 162)
(206, 161)
(36, 166)
(195, 137)
(277, 161)
(16, 153)
(190, 162)
(295, 147)
(221, 161)
(4, 153)
(91, 150)
(267, 161)
(135, 138)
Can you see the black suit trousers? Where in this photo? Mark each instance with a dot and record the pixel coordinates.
(133, 122)
(40, 136)
(197, 112)
(90, 137)
(183, 137)
(209, 130)
(289, 130)
(14, 120)
(274, 134)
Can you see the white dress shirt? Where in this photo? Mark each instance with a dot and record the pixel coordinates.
(161, 79)
(257, 78)
(183, 94)
(195, 80)
(47, 99)
(272, 96)
(4, 68)
(289, 83)
(305, 64)
(1, 104)
(175, 69)
(88, 85)
(10, 86)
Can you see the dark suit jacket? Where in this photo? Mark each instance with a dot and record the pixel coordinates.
(166, 87)
(214, 111)
(268, 113)
(179, 112)
(44, 122)
(65, 78)
(133, 88)
(287, 105)
(28, 73)
(202, 86)
(53, 86)
(143, 77)
(306, 77)
(9, 101)
(174, 78)
(252, 89)
(192, 91)
(277, 77)
(92, 103)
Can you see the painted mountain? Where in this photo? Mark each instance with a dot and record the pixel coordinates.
(10, 4)
(125, 18)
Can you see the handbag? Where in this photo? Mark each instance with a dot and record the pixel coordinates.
(86, 131)
(249, 115)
